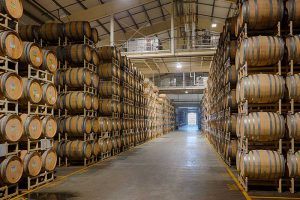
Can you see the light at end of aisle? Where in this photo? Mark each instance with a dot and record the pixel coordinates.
(213, 25)
(179, 66)
(186, 92)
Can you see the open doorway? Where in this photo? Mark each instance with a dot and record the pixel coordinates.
(192, 119)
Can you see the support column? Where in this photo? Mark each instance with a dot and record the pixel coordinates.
(172, 29)
(112, 30)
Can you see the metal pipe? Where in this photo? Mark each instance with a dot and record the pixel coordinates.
(112, 31)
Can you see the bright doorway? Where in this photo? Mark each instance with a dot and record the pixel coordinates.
(192, 119)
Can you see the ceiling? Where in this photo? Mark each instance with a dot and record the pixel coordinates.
(135, 19)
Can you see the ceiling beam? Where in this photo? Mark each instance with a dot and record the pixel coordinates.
(61, 7)
(36, 19)
(105, 10)
(147, 16)
(131, 17)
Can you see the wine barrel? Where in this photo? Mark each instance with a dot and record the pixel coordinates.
(10, 45)
(78, 77)
(107, 70)
(95, 125)
(10, 86)
(262, 165)
(49, 126)
(260, 88)
(293, 86)
(102, 145)
(49, 160)
(78, 125)
(76, 30)
(32, 91)
(51, 32)
(260, 15)
(13, 8)
(32, 54)
(260, 51)
(32, 127)
(11, 169)
(95, 36)
(232, 149)
(78, 150)
(108, 88)
(49, 94)
(95, 148)
(95, 57)
(293, 12)
(238, 160)
(108, 53)
(109, 144)
(102, 124)
(119, 142)
(109, 123)
(59, 77)
(59, 52)
(95, 103)
(95, 80)
(231, 124)
(114, 143)
(262, 126)
(108, 106)
(32, 163)
(78, 53)
(293, 164)
(293, 124)
(50, 62)
(231, 49)
(230, 25)
(75, 101)
(231, 75)
(29, 33)
(293, 52)
(11, 128)
(231, 100)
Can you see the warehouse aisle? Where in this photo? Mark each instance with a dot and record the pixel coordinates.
(178, 166)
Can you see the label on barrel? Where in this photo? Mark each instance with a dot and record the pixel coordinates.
(12, 45)
(3, 150)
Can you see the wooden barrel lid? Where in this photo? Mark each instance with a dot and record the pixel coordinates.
(88, 125)
(109, 144)
(35, 55)
(49, 160)
(51, 61)
(32, 163)
(14, 8)
(12, 85)
(34, 91)
(49, 126)
(95, 148)
(11, 170)
(13, 128)
(32, 126)
(95, 103)
(95, 125)
(50, 93)
(13, 45)
(87, 149)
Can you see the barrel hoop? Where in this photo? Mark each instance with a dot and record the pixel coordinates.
(275, 164)
(270, 163)
(270, 124)
(296, 163)
(78, 124)
(271, 10)
(258, 130)
(258, 163)
(84, 76)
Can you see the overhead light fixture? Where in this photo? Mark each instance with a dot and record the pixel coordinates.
(213, 25)
(179, 66)
(186, 92)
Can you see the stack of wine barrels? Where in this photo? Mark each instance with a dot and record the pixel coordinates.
(10, 91)
(265, 70)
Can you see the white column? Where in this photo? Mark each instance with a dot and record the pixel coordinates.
(172, 29)
(112, 30)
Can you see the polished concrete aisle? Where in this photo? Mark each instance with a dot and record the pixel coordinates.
(177, 166)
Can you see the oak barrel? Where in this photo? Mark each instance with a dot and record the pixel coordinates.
(293, 48)
(114, 143)
(230, 25)
(95, 35)
(293, 124)
(10, 45)
(260, 51)
(108, 53)
(75, 101)
(107, 70)
(108, 106)
(102, 145)
(95, 80)
(13, 8)
(32, 54)
(78, 125)
(108, 88)
(29, 32)
(230, 101)
(50, 62)
(95, 57)
(231, 75)
(51, 32)
(95, 125)
(293, 12)
(49, 94)
(10, 86)
(95, 148)
(76, 30)
(293, 87)
(11, 169)
(109, 144)
(32, 163)
(230, 51)
(260, 15)
(262, 164)
(32, 91)
(293, 164)
(78, 53)
(49, 160)
(11, 128)
(109, 123)
(260, 88)
(78, 150)
(102, 124)
(49, 126)
(231, 124)
(32, 127)
(95, 102)
(78, 77)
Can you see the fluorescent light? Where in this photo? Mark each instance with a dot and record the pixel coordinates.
(213, 25)
(179, 66)
(186, 92)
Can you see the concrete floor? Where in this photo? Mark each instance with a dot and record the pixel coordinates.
(177, 166)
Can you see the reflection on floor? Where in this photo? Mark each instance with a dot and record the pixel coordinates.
(189, 128)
